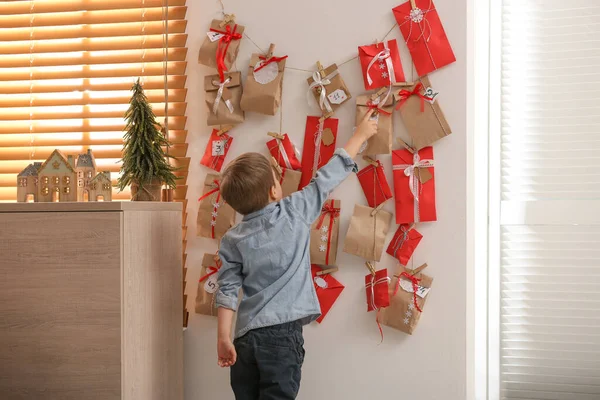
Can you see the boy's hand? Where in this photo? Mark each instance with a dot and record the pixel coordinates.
(367, 127)
(226, 353)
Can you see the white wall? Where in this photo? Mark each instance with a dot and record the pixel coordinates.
(343, 358)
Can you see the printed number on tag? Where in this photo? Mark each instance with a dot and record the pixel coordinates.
(211, 286)
(431, 94)
(337, 96)
(408, 287)
(218, 148)
(214, 36)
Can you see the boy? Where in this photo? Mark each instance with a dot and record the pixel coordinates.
(267, 254)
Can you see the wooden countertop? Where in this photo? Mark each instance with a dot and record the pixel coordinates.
(91, 206)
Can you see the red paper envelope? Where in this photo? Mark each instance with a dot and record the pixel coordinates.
(328, 290)
(216, 150)
(381, 65)
(316, 152)
(284, 153)
(377, 290)
(374, 184)
(424, 35)
(403, 244)
(407, 184)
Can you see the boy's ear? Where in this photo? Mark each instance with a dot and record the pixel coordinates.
(273, 192)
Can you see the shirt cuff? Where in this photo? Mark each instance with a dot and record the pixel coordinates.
(226, 301)
(348, 161)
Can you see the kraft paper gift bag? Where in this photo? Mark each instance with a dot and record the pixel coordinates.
(421, 113)
(374, 184)
(324, 234)
(221, 45)
(207, 285)
(288, 178)
(381, 142)
(319, 145)
(263, 87)
(408, 294)
(223, 99)
(329, 89)
(367, 232)
(328, 290)
(424, 34)
(216, 150)
(215, 217)
(381, 65)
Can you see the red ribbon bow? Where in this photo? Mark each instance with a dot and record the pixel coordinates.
(217, 189)
(228, 36)
(269, 61)
(212, 271)
(333, 212)
(217, 185)
(373, 106)
(415, 284)
(405, 95)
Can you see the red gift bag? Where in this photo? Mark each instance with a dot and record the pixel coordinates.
(415, 197)
(328, 290)
(424, 35)
(284, 152)
(374, 184)
(216, 150)
(403, 244)
(381, 65)
(377, 290)
(319, 146)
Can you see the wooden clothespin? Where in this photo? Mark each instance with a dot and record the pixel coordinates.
(403, 143)
(379, 93)
(325, 116)
(377, 209)
(413, 4)
(327, 271)
(321, 69)
(227, 19)
(276, 135)
(419, 269)
(371, 161)
(225, 129)
(370, 267)
(276, 165)
(270, 51)
(403, 84)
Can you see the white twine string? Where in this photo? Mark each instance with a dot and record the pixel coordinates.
(371, 285)
(318, 136)
(221, 86)
(414, 183)
(321, 82)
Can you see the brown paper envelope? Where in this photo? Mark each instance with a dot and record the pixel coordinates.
(291, 181)
(316, 256)
(208, 51)
(226, 214)
(426, 127)
(336, 83)
(366, 234)
(234, 92)
(263, 99)
(205, 302)
(381, 142)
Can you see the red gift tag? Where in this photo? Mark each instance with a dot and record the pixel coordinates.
(328, 290)
(408, 185)
(374, 184)
(376, 286)
(403, 244)
(284, 152)
(315, 153)
(381, 65)
(216, 150)
(424, 35)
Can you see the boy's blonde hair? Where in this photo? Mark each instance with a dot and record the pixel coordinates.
(246, 182)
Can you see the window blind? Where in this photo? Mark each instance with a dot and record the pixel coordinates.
(549, 200)
(66, 71)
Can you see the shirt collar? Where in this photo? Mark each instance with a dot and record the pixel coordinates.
(267, 209)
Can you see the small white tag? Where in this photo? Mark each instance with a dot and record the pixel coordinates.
(210, 286)
(214, 36)
(218, 148)
(337, 96)
(408, 287)
(320, 282)
(431, 93)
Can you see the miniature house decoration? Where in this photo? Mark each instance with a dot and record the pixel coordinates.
(62, 178)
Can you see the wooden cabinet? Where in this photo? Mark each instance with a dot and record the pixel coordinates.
(90, 301)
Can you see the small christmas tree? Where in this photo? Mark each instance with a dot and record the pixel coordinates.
(144, 161)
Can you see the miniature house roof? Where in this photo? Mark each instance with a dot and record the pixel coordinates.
(31, 169)
(86, 160)
(102, 177)
(61, 156)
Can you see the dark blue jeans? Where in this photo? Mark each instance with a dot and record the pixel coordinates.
(269, 363)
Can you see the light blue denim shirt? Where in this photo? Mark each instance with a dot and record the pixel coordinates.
(268, 255)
